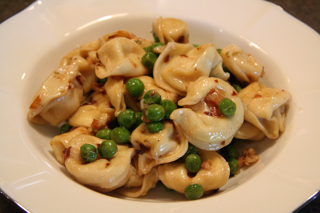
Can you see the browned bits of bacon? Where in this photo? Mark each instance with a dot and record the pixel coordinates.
(144, 148)
(216, 80)
(234, 93)
(80, 79)
(107, 164)
(97, 55)
(181, 39)
(71, 86)
(36, 103)
(223, 143)
(96, 125)
(212, 100)
(166, 59)
(257, 96)
(183, 55)
(249, 157)
(206, 164)
(66, 153)
(98, 87)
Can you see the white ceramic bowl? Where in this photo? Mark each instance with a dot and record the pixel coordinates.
(33, 42)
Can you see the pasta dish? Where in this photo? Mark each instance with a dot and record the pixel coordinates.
(133, 112)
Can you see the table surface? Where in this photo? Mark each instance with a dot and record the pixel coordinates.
(308, 11)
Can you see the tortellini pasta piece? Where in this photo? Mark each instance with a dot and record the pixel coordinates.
(95, 114)
(89, 51)
(171, 29)
(157, 148)
(200, 120)
(85, 67)
(248, 131)
(265, 108)
(180, 64)
(116, 89)
(60, 142)
(58, 97)
(139, 185)
(102, 174)
(213, 174)
(120, 57)
(242, 65)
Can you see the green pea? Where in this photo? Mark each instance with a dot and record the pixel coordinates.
(155, 127)
(88, 152)
(195, 45)
(126, 118)
(65, 128)
(120, 135)
(191, 150)
(155, 112)
(156, 39)
(232, 151)
(237, 87)
(150, 48)
(135, 87)
(104, 134)
(193, 163)
(218, 50)
(168, 106)
(227, 107)
(107, 149)
(102, 80)
(233, 164)
(149, 59)
(193, 191)
(152, 97)
(138, 116)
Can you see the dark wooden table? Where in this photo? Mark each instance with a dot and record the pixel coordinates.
(308, 11)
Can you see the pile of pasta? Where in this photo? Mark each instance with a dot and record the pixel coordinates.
(195, 77)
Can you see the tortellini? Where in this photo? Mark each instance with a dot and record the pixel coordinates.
(120, 57)
(95, 114)
(102, 173)
(115, 89)
(214, 173)
(60, 142)
(85, 67)
(199, 120)
(158, 148)
(171, 29)
(58, 98)
(139, 185)
(242, 65)
(180, 64)
(265, 108)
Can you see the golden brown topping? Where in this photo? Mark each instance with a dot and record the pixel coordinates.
(249, 157)
(206, 164)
